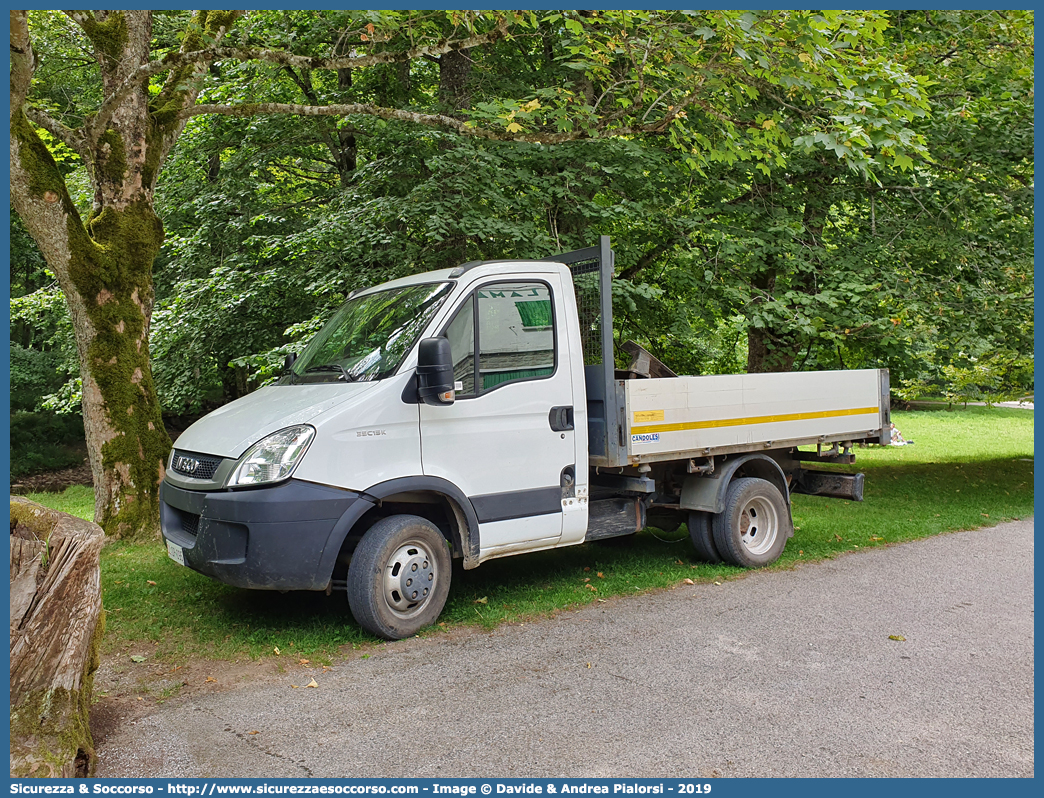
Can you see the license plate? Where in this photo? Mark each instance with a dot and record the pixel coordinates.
(176, 553)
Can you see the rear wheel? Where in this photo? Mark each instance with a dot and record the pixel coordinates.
(703, 537)
(399, 576)
(755, 525)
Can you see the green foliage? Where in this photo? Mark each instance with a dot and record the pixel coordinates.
(811, 258)
(28, 269)
(46, 428)
(256, 204)
(67, 399)
(207, 323)
(619, 62)
(43, 314)
(44, 441)
(999, 377)
(44, 364)
(830, 270)
(819, 189)
(34, 374)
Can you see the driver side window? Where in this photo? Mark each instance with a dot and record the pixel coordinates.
(514, 328)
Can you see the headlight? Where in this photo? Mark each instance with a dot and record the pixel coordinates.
(273, 458)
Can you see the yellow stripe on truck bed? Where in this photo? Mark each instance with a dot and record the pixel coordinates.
(735, 422)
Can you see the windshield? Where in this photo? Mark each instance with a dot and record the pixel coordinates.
(370, 335)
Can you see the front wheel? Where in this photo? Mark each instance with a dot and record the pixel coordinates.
(755, 525)
(399, 576)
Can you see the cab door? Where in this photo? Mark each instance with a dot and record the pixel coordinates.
(508, 440)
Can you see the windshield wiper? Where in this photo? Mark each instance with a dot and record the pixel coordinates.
(331, 367)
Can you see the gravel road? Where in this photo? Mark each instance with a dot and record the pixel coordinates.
(788, 673)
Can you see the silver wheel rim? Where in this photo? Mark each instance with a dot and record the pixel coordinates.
(759, 525)
(409, 579)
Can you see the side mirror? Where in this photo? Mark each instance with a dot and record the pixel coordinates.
(289, 361)
(435, 371)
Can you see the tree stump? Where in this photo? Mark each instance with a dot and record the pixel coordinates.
(56, 629)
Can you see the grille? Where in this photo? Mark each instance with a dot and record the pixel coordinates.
(589, 307)
(189, 524)
(197, 466)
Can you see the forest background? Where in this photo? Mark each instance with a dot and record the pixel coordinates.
(784, 191)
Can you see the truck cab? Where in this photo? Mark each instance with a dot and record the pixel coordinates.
(266, 491)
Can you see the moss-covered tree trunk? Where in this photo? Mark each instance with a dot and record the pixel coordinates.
(104, 264)
(109, 276)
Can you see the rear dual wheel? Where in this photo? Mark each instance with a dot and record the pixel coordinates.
(703, 537)
(399, 576)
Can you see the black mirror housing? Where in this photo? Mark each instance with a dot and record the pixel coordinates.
(289, 361)
(435, 371)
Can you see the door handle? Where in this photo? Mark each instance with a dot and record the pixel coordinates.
(561, 418)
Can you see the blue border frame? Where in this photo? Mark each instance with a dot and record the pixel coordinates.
(855, 787)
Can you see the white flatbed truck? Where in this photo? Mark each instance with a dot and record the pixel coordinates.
(476, 413)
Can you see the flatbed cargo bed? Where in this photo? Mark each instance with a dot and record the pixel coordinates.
(686, 417)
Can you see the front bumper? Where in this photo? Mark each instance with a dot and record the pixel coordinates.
(280, 538)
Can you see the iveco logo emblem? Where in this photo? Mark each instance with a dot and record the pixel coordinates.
(186, 465)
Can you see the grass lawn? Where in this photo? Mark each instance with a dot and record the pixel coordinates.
(967, 469)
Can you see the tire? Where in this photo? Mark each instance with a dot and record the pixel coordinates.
(703, 537)
(755, 525)
(393, 553)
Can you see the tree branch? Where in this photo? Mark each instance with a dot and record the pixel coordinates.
(41, 199)
(304, 83)
(462, 127)
(647, 259)
(81, 18)
(655, 102)
(23, 62)
(306, 87)
(368, 109)
(73, 139)
(712, 111)
(133, 82)
(613, 86)
(180, 90)
(764, 85)
(208, 22)
(689, 100)
(171, 61)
